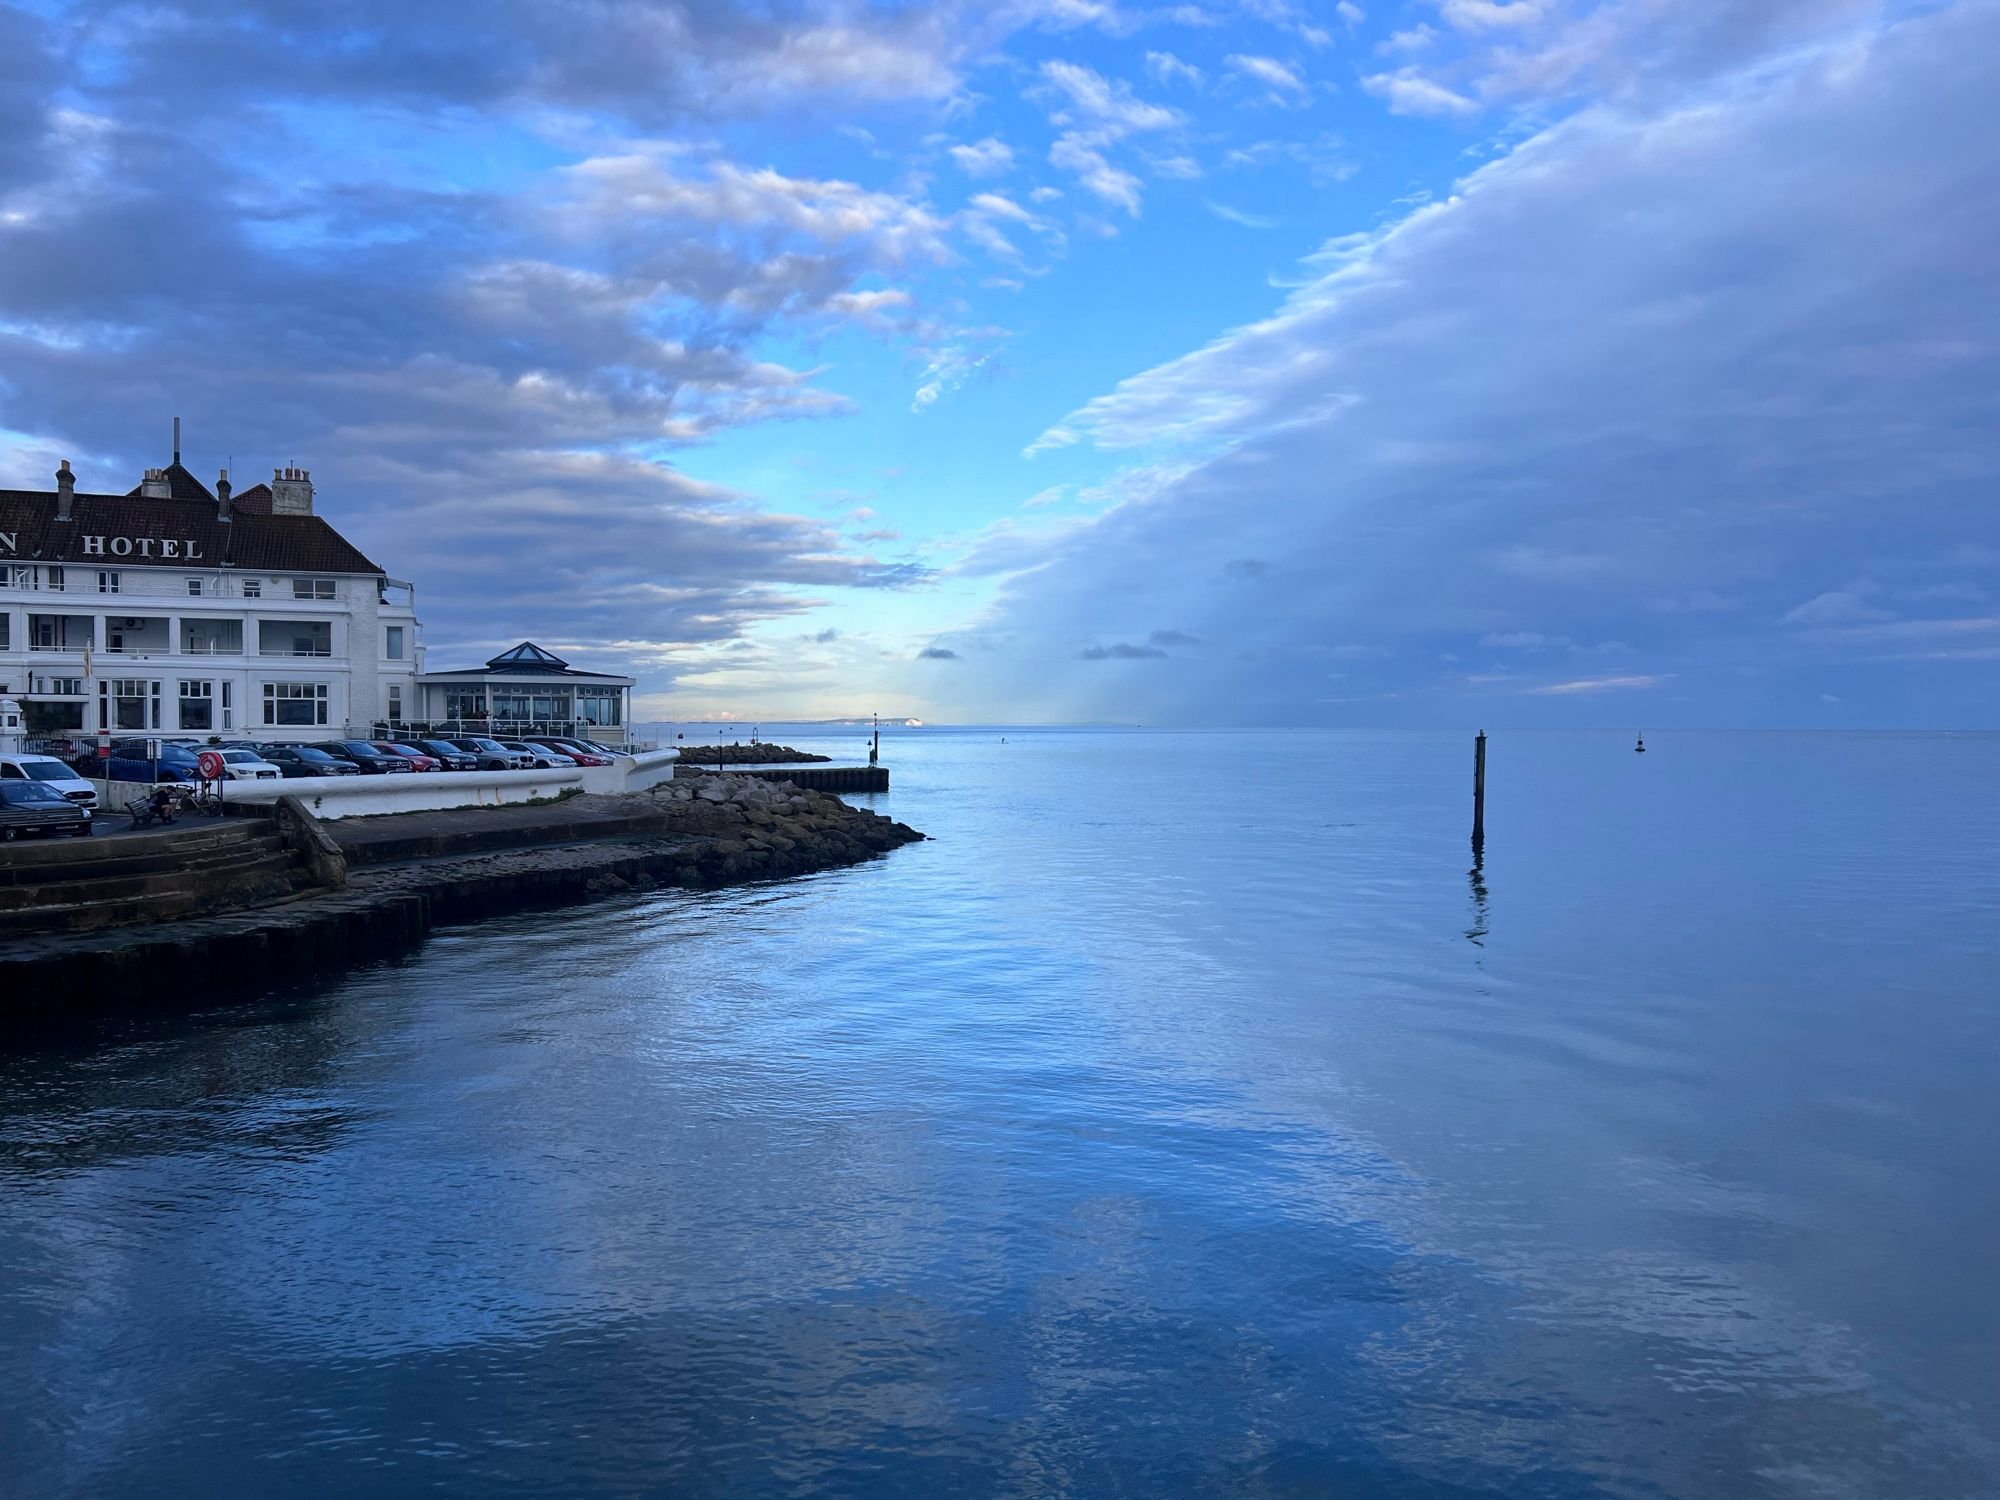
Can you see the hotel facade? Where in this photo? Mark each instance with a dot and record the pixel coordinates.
(176, 610)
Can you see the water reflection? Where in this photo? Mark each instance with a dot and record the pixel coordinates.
(1476, 876)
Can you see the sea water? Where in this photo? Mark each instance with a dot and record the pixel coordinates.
(1194, 1115)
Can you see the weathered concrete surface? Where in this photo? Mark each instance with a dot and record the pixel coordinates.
(719, 831)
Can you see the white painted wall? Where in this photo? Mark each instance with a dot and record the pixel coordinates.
(330, 797)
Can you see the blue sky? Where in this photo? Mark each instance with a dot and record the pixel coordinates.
(1430, 362)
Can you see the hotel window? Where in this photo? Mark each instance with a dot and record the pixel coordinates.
(65, 687)
(598, 706)
(253, 588)
(312, 588)
(21, 576)
(107, 583)
(392, 642)
(197, 705)
(395, 703)
(228, 709)
(6, 632)
(205, 588)
(128, 703)
(55, 578)
(295, 703)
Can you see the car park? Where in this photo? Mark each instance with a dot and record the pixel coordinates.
(419, 760)
(306, 760)
(31, 807)
(371, 761)
(493, 756)
(454, 758)
(52, 773)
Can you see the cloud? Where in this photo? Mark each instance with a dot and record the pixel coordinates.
(1165, 68)
(1597, 685)
(987, 158)
(937, 653)
(1120, 651)
(1281, 80)
(1238, 216)
(1408, 92)
(1651, 377)
(1836, 607)
(1097, 113)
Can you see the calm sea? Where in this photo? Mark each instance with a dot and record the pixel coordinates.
(1190, 1117)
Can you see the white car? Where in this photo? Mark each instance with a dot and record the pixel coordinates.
(537, 757)
(247, 765)
(54, 774)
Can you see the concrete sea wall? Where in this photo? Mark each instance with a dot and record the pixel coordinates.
(702, 833)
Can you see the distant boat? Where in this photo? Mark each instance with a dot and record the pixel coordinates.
(1640, 748)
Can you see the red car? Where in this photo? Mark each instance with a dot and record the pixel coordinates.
(417, 759)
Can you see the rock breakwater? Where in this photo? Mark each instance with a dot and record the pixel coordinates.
(750, 755)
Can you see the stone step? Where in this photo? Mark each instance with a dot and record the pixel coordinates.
(265, 878)
(213, 865)
(126, 856)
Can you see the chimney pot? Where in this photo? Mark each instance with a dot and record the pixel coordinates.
(65, 491)
(222, 497)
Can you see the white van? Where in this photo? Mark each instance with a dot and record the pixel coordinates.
(56, 775)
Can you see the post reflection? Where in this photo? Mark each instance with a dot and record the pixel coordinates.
(1476, 877)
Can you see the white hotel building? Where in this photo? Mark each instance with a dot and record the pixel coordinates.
(177, 610)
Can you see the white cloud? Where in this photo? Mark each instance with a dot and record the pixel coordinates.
(1836, 607)
(987, 158)
(1408, 92)
(1281, 79)
(1238, 216)
(1493, 15)
(1104, 102)
(1165, 68)
(1598, 685)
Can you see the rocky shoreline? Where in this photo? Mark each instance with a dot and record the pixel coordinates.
(750, 755)
(699, 831)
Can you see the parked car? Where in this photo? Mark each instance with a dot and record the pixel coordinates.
(539, 757)
(574, 749)
(372, 761)
(34, 807)
(454, 758)
(247, 765)
(51, 773)
(135, 760)
(306, 760)
(493, 756)
(419, 760)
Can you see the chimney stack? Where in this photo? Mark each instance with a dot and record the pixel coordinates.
(177, 439)
(291, 491)
(222, 497)
(65, 491)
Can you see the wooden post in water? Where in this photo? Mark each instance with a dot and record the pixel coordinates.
(1479, 788)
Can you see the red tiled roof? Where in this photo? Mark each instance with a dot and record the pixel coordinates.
(255, 540)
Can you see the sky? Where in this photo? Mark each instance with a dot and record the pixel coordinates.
(1381, 363)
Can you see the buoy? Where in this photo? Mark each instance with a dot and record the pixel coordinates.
(1640, 748)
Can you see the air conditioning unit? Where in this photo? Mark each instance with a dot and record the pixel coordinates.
(130, 624)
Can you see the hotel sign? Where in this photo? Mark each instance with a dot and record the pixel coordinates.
(162, 548)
